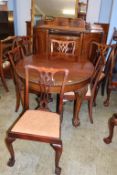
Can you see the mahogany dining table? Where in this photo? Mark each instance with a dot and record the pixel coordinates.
(80, 73)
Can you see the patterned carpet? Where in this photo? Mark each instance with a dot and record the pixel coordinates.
(84, 152)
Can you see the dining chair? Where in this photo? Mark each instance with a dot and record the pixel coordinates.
(14, 56)
(91, 91)
(112, 76)
(42, 124)
(5, 46)
(112, 122)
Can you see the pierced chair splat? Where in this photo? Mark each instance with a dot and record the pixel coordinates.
(42, 124)
(63, 49)
(66, 47)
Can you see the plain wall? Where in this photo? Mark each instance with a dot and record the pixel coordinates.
(105, 11)
(10, 5)
(22, 13)
(113, 20)
(93, 11)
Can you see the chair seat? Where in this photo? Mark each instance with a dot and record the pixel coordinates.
(5, 64)
(71, 93)
(39, 123)
(102, 76)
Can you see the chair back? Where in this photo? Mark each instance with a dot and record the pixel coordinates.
(97, 51)
(62, 49)
(95, 76)
(113, 64)
(5, 46)
(46, 78)
(109, 56)
(14, 56)
(25, 42)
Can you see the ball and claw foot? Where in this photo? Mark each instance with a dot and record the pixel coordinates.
(106, 103)
(58, 171)
(11, 162)
(75, 123)
(107, 140)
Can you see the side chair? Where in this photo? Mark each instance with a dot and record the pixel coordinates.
(92, 87)
(42, 124)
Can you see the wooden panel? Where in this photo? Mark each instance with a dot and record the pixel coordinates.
(28, 28)
(105, 27)
(6, 24)
(40, 40)
(72, 31)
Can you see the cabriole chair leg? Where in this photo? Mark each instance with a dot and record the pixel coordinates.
(58, 152)
(9, 142)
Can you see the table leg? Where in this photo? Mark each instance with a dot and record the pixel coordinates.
(79, 99)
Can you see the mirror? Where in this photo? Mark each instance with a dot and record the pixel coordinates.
(52, 8)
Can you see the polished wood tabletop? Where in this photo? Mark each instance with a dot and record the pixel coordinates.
(79, 72)
(79, 76)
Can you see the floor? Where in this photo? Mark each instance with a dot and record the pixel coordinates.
(84, 152)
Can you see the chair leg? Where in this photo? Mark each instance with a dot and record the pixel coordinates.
(95, 95)
(17, 101)
(111, 123)
(9, 141)
(90, 103)
(4, 81)
(58, 152)
(106, 102)
(103, 84)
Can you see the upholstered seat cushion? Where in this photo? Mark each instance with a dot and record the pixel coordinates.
(71, 93)
(5, 64)
(102, 75)
(39, 123)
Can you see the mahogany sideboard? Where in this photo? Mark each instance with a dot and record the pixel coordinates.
(67, 30)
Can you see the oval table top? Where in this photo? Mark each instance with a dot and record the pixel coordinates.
(79, 72)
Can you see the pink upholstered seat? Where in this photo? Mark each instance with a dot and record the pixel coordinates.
(38, 122)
